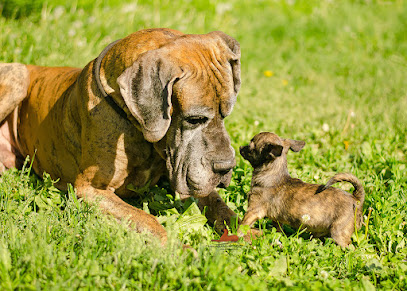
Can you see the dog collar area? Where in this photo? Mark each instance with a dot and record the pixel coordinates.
(96, 73)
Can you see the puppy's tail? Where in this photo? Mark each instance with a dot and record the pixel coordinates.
(358, 193)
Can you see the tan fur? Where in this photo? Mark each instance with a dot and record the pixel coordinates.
(321, 209)
(175, 89)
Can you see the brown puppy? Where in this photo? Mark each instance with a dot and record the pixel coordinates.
(150, 105)
(322, 209)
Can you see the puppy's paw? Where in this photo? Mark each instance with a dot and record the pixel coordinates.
(251, 235)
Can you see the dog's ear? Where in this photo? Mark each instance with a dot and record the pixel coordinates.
(146, 88)
(295, 145)
(273, 150)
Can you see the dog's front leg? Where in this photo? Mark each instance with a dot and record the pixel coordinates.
(110, 203)
(217, 212)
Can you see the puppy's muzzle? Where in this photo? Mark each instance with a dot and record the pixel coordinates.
(244, 151)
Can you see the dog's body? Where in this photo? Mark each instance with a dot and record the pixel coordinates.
(170, 93)
(322, 209)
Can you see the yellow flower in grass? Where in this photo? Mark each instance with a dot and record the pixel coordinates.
(268, 73)
(346, 143)
(285, 82)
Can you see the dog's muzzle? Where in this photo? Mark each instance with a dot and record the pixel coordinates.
(224, 168)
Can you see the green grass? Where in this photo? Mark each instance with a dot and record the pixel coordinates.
(339, 71)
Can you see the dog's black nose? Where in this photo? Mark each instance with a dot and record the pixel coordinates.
(223, 166)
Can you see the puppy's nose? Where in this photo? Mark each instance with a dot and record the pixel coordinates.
(223, 166)
(243, 149)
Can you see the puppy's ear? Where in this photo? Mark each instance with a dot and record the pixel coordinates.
(295, 145)
(146, 88)
(273, 150)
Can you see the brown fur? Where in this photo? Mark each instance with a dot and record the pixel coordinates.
(321, 209)
(174, 88)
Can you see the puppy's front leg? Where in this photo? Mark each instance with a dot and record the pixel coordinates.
(252, 215)
(110, 203)
(257, 208)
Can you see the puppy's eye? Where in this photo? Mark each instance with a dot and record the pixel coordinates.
(196, 120)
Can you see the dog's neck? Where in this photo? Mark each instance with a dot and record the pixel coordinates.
(271, 174)
(96, 72)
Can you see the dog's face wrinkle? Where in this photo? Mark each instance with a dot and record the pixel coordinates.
(191, 150)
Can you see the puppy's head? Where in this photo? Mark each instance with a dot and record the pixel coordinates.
(265, 147)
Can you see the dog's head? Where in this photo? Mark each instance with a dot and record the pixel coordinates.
(266, 147)
(180, 94)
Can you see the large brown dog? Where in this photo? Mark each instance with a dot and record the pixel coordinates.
(151, 105)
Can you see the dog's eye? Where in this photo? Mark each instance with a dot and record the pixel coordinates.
(196, 120)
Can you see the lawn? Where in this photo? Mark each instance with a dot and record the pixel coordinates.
(331, 73)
